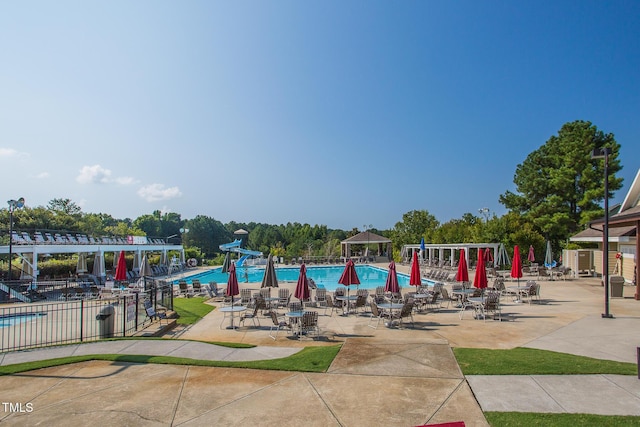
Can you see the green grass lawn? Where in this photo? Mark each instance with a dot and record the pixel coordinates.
(530, 361)
(190, 310)
(310, 359)
(517, 419)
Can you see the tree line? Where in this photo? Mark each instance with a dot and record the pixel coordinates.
(559, 189)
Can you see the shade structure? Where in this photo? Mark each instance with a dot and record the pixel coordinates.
(414, 278)
(302, 287)
(137, 262)
(145, 267)
(392, 280)
(531, 257)
(503, 257)
(226, 263)
(269, 280)
(26, 270)
(81, 265)
(463, 272)
(164, 259)
(423, 248)
(548, 257)
(480, 279)
(121, 268)
(99, 269)
(232, 284)
(516, 264)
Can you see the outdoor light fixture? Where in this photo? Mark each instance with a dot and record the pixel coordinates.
(13, 205)
(484, 212)
(603, 153)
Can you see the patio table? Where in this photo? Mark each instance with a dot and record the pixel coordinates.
(295, 319)
(391, 307)
(464, 300)
(230, 311)
(516, 291)
(346, 302)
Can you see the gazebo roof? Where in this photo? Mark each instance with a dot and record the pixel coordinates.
(366, 237)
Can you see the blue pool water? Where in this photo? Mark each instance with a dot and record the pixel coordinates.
(15, 319)
(327, 276)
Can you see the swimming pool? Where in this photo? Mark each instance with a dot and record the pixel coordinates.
(16, 319)
(327, 276)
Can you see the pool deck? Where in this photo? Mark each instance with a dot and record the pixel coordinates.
(381, 376)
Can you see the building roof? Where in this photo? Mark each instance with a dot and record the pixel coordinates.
(618, 234)
(629, 212)
(366, 237)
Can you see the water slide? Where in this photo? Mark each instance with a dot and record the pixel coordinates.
(230, 246)
(235, 247)
(246, 254)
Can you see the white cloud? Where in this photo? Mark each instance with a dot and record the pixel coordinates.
(10, 152)
(42, 175)
(157, 192)
(95, 174)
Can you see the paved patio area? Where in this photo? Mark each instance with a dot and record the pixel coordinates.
(381, 376)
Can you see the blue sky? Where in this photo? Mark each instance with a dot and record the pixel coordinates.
(341, 113)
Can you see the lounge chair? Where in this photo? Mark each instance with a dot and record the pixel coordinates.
(152, 314)
(277, 325)
(215, 292)
(310, 323)
(376, 314)
(321, 298)
(184, 289)
(245, 297)
(197, 287)
(283, 298)
(295, 306)
(405, 312)
(253, 315)
(490, 304)
(531, 291)
(335, 305)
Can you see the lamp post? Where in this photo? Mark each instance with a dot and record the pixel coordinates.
(367, 227)
(603, 153)
(13, 205)
(484, 212)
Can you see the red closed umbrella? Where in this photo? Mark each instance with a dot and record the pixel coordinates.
(488, 256)
(121, 268)
(232, 284)
(349, 276)
(392, 280)
(302, 287)
(463, 272)
(480, 280)
(531, 257)
(516, 264)
(414, 279)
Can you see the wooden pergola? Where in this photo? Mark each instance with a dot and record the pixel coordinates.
(366, 238)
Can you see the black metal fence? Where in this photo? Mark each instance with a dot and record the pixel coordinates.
(63, 321)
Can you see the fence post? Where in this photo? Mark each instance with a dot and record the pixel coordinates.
(124, 316)
(137, 307)
(81, 320)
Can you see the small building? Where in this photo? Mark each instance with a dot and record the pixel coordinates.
(624, 245)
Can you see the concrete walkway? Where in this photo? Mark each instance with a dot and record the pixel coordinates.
(380, 377)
